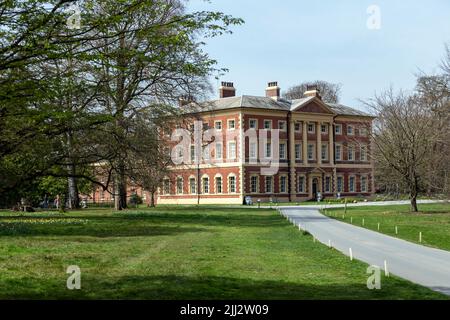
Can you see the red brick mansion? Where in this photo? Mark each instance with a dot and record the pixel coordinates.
(320, 149)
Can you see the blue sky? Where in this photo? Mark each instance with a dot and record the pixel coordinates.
(291, 41)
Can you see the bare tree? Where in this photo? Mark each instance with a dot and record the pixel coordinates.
(330, 92)
(403, 136)
(434, 94)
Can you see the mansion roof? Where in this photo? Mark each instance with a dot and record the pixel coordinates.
(267, 103)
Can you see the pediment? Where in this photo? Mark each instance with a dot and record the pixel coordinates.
(314, 106)
(317, 170)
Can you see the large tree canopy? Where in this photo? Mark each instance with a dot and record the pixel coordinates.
(69, 97)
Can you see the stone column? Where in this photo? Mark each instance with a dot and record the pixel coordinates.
(319, 142)
(331, 143)
(292, 159)
(305, 142)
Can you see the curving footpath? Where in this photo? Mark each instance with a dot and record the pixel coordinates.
(425, 266)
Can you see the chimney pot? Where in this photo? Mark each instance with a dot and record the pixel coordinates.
(185, 100)
(273, 90)
(312, 91)
(227, 90)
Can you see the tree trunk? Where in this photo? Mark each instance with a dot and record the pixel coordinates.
(152, 203)
(117, 205)
(120, 191)
(74, 198)
(413, 195)
(73, 195)
(414, 207)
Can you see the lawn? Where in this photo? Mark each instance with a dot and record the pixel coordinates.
(179, 253)
(433, 221)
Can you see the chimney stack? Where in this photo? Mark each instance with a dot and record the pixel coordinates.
(185, 100)
(227, 90)
(273, 90)
(312, 91)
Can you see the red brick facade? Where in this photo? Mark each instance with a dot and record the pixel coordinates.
(324, 149)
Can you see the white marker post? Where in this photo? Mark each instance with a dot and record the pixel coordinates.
(378, 226)
(396, 230)
(329, 244)
(386, 271)
(363, 223)
(351, 254)
(420, 237)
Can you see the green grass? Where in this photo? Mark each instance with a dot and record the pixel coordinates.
(178, 253)
(433, 221)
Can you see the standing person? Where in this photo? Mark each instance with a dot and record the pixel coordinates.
(57, 202)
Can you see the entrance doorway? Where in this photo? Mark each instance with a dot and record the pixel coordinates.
(315, 188)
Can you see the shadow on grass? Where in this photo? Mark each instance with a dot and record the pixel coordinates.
(133, 224)
(113, 230)
(174, 287)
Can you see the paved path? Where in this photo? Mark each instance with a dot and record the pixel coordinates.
(426, 266)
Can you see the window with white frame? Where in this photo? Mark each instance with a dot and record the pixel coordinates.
(338, 152)
(328, 184)
(219, 151)
(268, 150)
(311, 128)
(283, 184)
(253, 124)
(324, 151)
(350, 153)
(254, 182)
(298, 127)
(166, 186)
(205, 183)
(253, 150)
(363, 131)
(282, 125)
(324, 128)
(232, 184)
(363, 153)
(179, 185)
(218, 125)
(338, 129)
(231, 124)
(363, 184)
(350, 130)
(193, 186)
(340, 184)
(298, 151)
(283, 151)
(351, 184)
(218, 185)
(232, 150)
(267, 124)
(269, 184)
(301, 184)
(311, 151)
